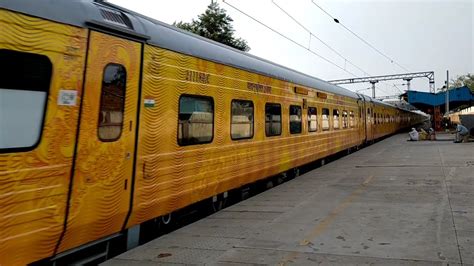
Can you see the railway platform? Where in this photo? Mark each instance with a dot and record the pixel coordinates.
(394, 202)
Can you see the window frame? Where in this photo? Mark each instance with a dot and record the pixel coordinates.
(123, 105)
(301, 119)
(338, 120)
(253, 119)
(45, 105)
(265, 119)
(328, 119)
(213, 118)
(308, 121)
(345, 119)
(352, 119)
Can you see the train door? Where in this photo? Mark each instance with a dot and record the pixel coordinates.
(39, 107)
(362, 119)
(370, 121)
(101, 188)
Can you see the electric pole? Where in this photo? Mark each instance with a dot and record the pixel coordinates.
(447, 91)
(373, 87)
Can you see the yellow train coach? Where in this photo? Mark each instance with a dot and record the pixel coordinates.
(109, 119)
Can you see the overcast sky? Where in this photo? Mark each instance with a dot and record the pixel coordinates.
(419, 35)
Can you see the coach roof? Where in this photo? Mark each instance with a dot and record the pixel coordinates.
(84, 13)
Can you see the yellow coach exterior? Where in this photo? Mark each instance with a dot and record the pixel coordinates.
(170, 176)
(35, 198)
(34, 182)
(101, 190)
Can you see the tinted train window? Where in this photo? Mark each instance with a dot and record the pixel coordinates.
(312, 119)
(272, 119)
(242, 119)
(351, 119)
(325, 119)
(335, 116)
(24, 86)
(112, 102)
(295, 119)
(345, 122)
(195, 120)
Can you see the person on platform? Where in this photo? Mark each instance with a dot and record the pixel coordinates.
(413, 134)
(461, 133)
(431, 134)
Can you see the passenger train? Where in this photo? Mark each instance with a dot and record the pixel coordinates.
(110, 120)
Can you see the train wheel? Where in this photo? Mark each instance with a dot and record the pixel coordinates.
(292, 173)
(245, 193)
(268, 184)
(296, 172)
(166, 219)
(219, 201)
(166, 222)
(278, 180)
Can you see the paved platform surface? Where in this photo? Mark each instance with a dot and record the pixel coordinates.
(395, 202)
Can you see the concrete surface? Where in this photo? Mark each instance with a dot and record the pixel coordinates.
(395, 202)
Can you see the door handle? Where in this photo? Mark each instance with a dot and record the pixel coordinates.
(127, 155)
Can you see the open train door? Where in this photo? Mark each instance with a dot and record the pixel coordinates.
(101, 187)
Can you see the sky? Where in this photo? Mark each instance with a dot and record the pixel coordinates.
(419, 35)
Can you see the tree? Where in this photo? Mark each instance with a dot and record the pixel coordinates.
(216, 25)
(464, 80)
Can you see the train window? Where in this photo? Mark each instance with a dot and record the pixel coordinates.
(312, 119)
(295, 119)
(375, 118)
(325, 116)
(112, 102)
(345, 122)
(272, 119)
(351, 119)
(335, 116)
(242, 119)
(196, 120)
(24, 87)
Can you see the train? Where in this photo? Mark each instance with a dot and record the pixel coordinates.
(110, 119)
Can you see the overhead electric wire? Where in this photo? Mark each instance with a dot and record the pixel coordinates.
(323, 42)
(289, 39)
(293, 41)
(360, 38)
